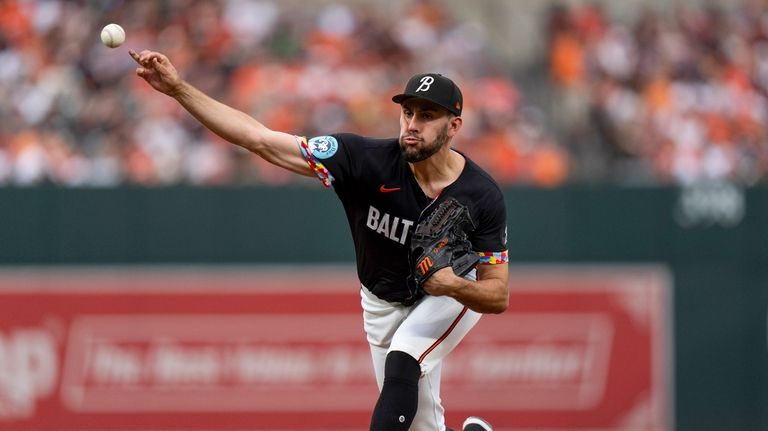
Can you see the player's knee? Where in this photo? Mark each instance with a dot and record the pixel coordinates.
(399, 396)
(402, 366)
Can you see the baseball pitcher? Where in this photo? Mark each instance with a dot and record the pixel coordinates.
(428, 224)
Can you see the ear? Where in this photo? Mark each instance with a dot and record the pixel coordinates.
(454, 126)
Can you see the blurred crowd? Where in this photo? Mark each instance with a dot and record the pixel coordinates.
(672, 98)
(73, 113)
(654, 100)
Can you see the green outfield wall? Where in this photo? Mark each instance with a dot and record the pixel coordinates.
(712, 238)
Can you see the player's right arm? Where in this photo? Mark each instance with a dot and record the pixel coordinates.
(230, 124)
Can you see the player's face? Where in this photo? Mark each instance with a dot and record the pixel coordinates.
(425, 128)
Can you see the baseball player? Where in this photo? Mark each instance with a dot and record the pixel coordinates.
(386, 187)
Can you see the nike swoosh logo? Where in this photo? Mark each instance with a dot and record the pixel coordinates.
(384, 189)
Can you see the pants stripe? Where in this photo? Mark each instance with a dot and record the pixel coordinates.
(444, 336)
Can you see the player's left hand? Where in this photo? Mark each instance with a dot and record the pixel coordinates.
(442, 282)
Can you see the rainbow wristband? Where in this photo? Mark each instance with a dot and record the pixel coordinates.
(493, 257)
(320, 170)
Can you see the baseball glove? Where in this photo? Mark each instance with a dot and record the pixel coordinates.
(440, 240)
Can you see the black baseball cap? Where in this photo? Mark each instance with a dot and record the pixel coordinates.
(433, 87)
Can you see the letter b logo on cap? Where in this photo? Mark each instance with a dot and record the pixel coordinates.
(426, 82)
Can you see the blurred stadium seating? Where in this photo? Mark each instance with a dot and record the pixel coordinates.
(628, 100)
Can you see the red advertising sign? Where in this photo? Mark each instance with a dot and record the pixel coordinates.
(214, 349)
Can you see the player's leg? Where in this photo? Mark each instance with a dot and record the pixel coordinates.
(401, 386)
(397, 373)
(398, 400)
(379, 357)
(408, 396)
(430, 415)
(447, 321)
(380, 321)
(432, 329)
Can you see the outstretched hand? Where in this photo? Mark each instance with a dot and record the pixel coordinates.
(157, 70)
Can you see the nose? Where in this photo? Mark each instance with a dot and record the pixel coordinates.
(413, 124)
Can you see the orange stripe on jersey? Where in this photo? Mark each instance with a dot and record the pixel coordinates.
(444, 336)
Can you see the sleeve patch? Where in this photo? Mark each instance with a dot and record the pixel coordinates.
(493, 258)
(309, 156)
(323, 147)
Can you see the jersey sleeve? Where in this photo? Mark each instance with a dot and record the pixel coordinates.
(490, 237)
(331, 157)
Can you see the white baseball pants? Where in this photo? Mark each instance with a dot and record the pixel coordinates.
(428, 331)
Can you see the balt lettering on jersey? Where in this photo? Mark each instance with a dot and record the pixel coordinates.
(377, 188)
(396, 229)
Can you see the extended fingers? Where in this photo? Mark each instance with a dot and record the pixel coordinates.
(134, 55)
(161, 58)
(141, 58)
(147, 58)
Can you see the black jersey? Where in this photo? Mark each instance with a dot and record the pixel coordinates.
(383, 203)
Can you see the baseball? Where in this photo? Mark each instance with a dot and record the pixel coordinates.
(112, 35)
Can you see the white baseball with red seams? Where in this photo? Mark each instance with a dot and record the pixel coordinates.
(112, 35)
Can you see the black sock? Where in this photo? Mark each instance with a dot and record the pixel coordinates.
(399, 398)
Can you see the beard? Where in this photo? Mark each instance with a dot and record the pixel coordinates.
(417, 153)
